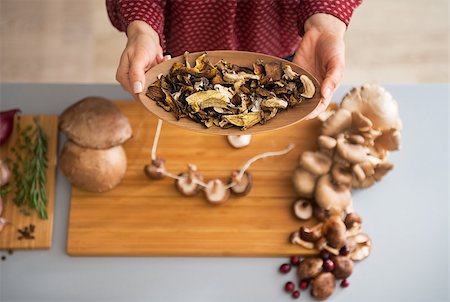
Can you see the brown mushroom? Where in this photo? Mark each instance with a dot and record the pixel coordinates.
(94, 170)
(273, 71)
(343, 267)
(188, 183)
(241, 185)
(332, 197)
(315, 162)
(310, 268)
(303, 209)
(304, 182)
(95, 122)
(334, 232)
(294, 238)
(156, 169)
(216, 192)
(311, 234)
(323, 286)
(351, 219)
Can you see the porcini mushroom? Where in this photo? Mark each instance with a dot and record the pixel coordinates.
(156, 169)
(216, 191)
(303, 209)
(94, 170)
(239, 141)
(323, 286)
(95, 122)
(241, 186)
(188, 183)
(332, 197)
(315, 162)
(308, 85)
(310, 268)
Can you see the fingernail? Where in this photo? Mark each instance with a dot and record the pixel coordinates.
(137, 87)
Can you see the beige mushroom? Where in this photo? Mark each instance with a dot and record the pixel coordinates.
(241, 185)
(315, 162)
(295, 239)
(360, 246)
(216, 191)
(188, 183)
(360, 123)
(303, 209)
(342, 175)
(94, 170)
(304, 182)
(337, 123)
(156, 169)
(95, 122)
(389, 140)
(239, 141)
(332, 197)
(353, 153)
(326, 144)
(309, 88)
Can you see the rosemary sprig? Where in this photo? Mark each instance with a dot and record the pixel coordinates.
(29, 169)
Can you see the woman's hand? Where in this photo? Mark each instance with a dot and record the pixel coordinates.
(322, 52)
(142, 52)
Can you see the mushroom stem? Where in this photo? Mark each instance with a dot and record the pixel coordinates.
(156, 138)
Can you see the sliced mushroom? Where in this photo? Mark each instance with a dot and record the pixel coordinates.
(239, 141)
(273, 71)
(308, 85)
(289, 74)
(304, 182)
(216, 192)
(274, 102)
(331, 196)
(360, 247)
(241, 185)
(315, 162)
(303, 209)
(156, 169)
(188, 183)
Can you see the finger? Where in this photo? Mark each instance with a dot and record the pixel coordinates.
(332, 79)
(122, 72)
(136, 74)
(321, 107)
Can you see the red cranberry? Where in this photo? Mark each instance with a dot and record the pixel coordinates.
(303, 284)
(296, 294)
(344, 251)
(345, 283)
(324, 254)
(289, 287)
(329, 265)
(295, 260)
(285, 268)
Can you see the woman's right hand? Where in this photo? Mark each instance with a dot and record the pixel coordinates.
(142, 52)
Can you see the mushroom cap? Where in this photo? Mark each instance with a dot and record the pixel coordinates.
(342, 175)
(360, 123)
(337, 123)
(310, 267)
(242, 186)
(352, 218)
(360, 246)
(315, 162)
(331, 196)
(187, 183)
(303, 209)
(326, 142)
(95, 122)
(334, 231)
(216, 191)
(353, 153)
(156, 169)
(389, 140)
(375, 103)
(343, 267)
(239, 141)
(308, 85)
(304, 182)
(323, 286)
(93, 170)
(311, 234)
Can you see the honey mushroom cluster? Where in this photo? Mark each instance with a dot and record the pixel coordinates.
(93, 158)
(353, 150)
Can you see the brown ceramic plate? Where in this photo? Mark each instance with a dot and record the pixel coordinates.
(242, 58)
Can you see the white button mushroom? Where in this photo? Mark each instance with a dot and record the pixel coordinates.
(239, 141)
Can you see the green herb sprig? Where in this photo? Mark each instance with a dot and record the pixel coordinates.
(30, 168)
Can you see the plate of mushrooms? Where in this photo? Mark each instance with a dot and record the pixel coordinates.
(230, 92)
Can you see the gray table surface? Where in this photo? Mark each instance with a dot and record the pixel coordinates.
(406, 215)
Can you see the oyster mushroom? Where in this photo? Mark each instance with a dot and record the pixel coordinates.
(216, 191)
(334, 231)
(156, 169)
(388, 140)
(315, 162)
(332, 197)
(375, 103)
(308, 85)
(360, 123)
(241, 185)
(353, 153)
(239, 141)
(323, 286)
(95, 122)
(326, 142)
(343, 267)
(289, 74)
(310, 268)
(337, 123)
(303, 209)
(342, 175)
(304, 182)
(188, 183)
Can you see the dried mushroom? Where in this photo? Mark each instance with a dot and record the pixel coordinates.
(226, 95)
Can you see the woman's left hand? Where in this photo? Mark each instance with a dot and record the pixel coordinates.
(322, 52)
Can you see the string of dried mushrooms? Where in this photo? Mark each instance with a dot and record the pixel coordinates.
(226, 95)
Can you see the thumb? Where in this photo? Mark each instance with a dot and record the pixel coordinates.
(136, 73)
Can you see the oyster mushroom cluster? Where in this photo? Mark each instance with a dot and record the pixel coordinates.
(93, 158)
(226, 95)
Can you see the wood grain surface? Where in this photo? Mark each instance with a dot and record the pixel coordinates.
(43, 228)
(283, 119)
(143, 217)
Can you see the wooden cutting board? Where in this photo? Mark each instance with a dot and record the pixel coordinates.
(143, 217)
(9, 237)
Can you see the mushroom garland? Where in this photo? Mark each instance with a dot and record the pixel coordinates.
(353, 150)
(93, 158)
